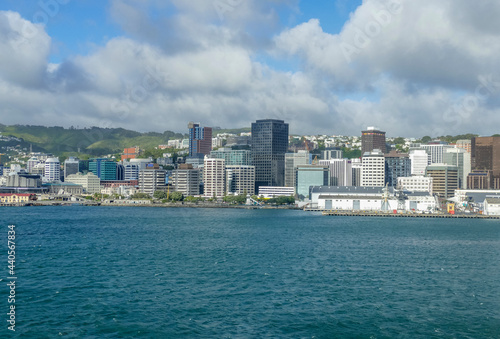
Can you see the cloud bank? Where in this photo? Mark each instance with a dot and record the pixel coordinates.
(413, 69)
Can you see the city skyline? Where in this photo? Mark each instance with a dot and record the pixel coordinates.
(326, 65)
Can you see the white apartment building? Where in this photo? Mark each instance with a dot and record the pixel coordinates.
(90, 182)
(186, 180)
(240, 179)
(131, 171)
(435, 152)
(151, 180)
(416, 184)
(214, 177)
(340, 171)
(373, 169)
(419, 161)
(31, 163)
(52, 170)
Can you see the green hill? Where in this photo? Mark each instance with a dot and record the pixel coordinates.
(93, 141)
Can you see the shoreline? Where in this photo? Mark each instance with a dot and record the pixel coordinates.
(406, 215)
(142, 204)
(339, 213)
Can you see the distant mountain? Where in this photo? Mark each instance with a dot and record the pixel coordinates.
(93, 141)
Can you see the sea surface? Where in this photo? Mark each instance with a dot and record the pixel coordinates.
(117, 272)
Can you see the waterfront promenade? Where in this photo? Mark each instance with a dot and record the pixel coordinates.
(408, 215)
(339, 213)
(147, 203)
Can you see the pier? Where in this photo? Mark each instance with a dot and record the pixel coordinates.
(406, 215)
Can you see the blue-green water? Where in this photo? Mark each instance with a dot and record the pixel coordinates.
(86, 272)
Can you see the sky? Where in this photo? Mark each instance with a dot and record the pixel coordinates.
(410, 68)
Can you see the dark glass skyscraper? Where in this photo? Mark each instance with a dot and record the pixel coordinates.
(485, 156)
(372, 139)
(269, 145)
(396, 165)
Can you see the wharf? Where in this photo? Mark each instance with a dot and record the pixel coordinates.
(408, 215)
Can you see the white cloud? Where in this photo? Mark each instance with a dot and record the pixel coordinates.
(416, 74)
(418, 55)
(25, 48)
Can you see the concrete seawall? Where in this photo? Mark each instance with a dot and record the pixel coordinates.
(407, 215)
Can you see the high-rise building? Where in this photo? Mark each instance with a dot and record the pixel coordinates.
(186, 180)
(308, 176)
(152, 179)
(120, 172)
(357, 168)
(83, 167)
(485, 153)
(71, 166)
(233, 157)
(269, 145)
(373, 139)
(39, 169)
(340, 171)
(419, 160)
(31, 163)
(200, 139)
(52, 170)
(105, 169)
(214, 177)
(332, 153)
(435, 150)
(131, 171)
(444, 179)
(293, 160)
(373, 170)
(460, 158)
(240, 179)
(396, 165)
(464, 144)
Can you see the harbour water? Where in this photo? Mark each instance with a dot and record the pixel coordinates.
(105, 272)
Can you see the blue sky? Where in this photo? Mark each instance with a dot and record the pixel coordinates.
(326, 67)
(75, 27)
(79, 26)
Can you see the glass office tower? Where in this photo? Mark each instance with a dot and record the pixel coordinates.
(269, 145)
